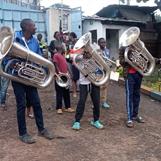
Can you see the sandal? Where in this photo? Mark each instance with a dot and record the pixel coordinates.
(31, 116)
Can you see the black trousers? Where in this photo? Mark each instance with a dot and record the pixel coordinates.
(20, 91)
(62, 94)
(95, 96)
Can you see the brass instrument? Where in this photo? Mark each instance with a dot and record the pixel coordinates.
(24, 65)
(63, 80)
(89, 62)
(112, 64)
(136, 53)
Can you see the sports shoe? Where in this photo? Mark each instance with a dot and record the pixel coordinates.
(105, 105)
(26, 138)
(31, 116)
(76, 126)
(130, 124)
(139, 119)
(97, 124)
(59, 111)
(46, 134)
(70, 110)
(75, 95)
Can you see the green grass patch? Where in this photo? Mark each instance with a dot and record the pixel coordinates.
(153, 81)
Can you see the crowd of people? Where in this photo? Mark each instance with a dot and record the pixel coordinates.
(27, 98)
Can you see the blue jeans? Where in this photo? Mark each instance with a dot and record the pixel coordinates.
(21, 91)
(132, 86)
(4, 83)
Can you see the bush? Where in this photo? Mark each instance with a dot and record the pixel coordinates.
(153, 81)
(120, 71)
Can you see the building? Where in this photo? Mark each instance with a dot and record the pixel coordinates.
(32, 4)
(113, 20)
(60, 17)
(13, 11)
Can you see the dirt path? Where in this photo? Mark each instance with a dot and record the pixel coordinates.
(114, 143)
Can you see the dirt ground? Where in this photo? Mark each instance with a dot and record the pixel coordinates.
(115, 142)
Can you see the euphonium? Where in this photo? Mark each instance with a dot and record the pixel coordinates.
(136, 53)
(89, 62)
(23, 65)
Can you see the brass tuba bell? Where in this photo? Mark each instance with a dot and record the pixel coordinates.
(89, 62)
(136, 53)
(23, 65)
(63, 80)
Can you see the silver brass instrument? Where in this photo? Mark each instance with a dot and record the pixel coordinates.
(136, 53)
(89, 62)
(112, 64)
(23, 65)
(62, 79)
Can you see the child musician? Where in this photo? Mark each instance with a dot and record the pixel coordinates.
(62, 93)
(86, 87)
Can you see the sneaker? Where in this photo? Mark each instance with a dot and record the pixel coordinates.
(46, 134)
(74, 95)
(59, 111)
(70, 110)
(76, 126)
(130, 124)
(105, 105)
(26, 138)
(31, 116)
(139, 119)
(97, 124)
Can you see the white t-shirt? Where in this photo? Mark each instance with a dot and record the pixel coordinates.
(83, 80)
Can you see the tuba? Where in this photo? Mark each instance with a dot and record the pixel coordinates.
(22, 64)
(89, 62)
(136, 53)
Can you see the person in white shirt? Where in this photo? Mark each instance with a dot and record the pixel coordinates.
(86, 87)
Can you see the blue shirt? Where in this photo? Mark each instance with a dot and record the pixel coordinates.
(106, 53)
(32, 43)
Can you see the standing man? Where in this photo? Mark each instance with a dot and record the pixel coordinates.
(103, 88)
(21, 90)
(133, 81)
(75, 72)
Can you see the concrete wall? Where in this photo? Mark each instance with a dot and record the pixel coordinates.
(72, 21)
(53, 20)
(89, 25)
(53, 17)
(11, 15)
(76, 21)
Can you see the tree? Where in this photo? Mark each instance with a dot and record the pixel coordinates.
(142, 1)
(158, 2)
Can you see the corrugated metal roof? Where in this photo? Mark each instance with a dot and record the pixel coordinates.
(103, 19)
(110, 11)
